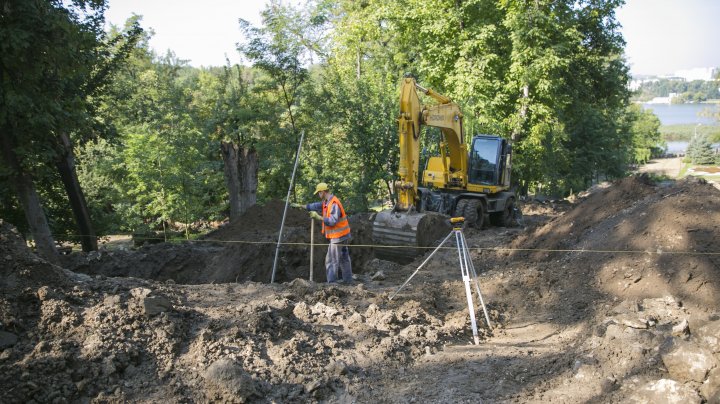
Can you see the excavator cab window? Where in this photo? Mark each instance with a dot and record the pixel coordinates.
(484, 168)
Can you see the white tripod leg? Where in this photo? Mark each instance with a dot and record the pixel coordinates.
(466, 279)
(477, 283)
(421, 265)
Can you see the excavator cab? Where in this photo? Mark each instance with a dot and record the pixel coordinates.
(489, 161)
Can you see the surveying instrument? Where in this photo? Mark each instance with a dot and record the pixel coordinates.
(466, 268)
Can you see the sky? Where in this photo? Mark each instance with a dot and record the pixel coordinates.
(663, 36)
(203, 32)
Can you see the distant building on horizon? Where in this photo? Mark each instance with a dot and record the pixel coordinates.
(663, 100)
(697, 73)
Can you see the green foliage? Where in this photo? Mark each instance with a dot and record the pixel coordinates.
(687, 91)
(57, 61)
(646, 138)
(550, 75)
(700, 151)
(160, 168)
(100, 171)
(687, 131)
(370, 144)
(547, 74)
(279, 50)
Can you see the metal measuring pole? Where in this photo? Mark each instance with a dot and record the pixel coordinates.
(287, 201)
(312, 246)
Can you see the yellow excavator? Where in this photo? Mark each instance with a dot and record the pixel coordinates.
(470, 182)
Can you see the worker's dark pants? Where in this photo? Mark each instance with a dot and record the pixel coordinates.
(337, 262)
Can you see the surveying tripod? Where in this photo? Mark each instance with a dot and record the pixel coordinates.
(466, 268)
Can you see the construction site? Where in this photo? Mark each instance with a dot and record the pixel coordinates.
(302, 218)
(610, 296)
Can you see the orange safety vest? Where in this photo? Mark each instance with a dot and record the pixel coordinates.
(342, 227)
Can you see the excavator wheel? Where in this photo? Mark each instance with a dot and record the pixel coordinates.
(475, 213)
(504, 218)
(460, 208)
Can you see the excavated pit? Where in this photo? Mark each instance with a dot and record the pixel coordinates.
(240, 251)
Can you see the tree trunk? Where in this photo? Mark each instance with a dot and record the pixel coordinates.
(248, 170)
(30, 202)
(522, 113)
(241, 169)
(66, 167)
(232, 177)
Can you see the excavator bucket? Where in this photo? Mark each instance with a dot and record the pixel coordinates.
(402, 236)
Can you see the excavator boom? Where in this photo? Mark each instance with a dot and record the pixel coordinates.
(403, 227)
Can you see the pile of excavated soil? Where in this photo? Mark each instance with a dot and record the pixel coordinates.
(241, 251)
(637, 240)
(612, 301)
(19, 268)
(632, 273)
(76, 338)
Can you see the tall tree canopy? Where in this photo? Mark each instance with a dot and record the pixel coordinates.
(55, 58)
(549, 75)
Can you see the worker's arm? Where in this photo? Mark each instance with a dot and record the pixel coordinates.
(316, 206)
(334, 212)
(315, 210)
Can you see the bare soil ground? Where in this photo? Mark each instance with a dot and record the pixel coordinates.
(610, 298)
(670, 166)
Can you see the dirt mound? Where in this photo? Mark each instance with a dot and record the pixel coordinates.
(599, 204)
(127, 339)
(20, 268)
(261, 222)
(637, 240)
(240, 251)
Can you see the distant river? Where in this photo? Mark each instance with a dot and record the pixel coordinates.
(676, 147)
(682, 114)
(679, 146)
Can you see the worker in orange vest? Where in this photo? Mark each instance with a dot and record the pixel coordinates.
(336, 228)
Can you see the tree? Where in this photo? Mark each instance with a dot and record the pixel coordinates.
(645, 129)
(700, 151)
(222, 105)
(53, 61)
(171, 169)
(279, 49)
(548, 74)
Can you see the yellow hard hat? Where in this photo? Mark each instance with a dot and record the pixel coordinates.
(321, 187)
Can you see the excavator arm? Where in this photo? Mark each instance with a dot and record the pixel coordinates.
(409, 137)
(451, 166)
(404, 227)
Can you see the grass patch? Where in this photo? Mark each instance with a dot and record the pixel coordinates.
(684, 169)
(709, 173)
(708, 177)
(685, 132)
